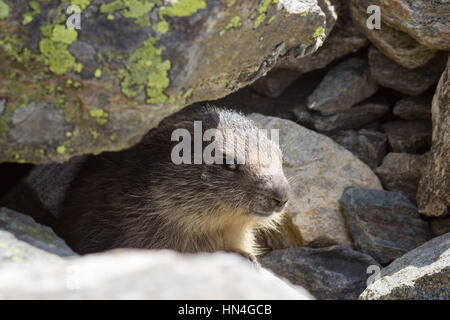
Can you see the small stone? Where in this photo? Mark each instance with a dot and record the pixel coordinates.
(408, 81)
(24, 240)
(369, 146)
(383, 224)
(397, 45)
(275, 82)
(357, 116)
(344, 86)
(433, 197)
(336, 272)
(421, 274)
(414, 108)
(400, 172)
(412, 136)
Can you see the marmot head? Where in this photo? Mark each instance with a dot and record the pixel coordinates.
(234, 172)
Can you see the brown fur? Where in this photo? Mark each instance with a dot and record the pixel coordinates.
(138, 198)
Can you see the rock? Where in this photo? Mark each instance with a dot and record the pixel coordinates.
(145, 274)
(426, 21)
(400, 172)
(318, 170)
(344, 86)
(355, 117)
(2, 105)
(397, 45)
(343, 40)
(383, 224)
(421, 274)
(336, 272)
(433, 197)
(106, 84)
(414, 108)
(369, 146)
(408, 81)
(24, 240)
(412, 136)
(275, 82)
(440, 225)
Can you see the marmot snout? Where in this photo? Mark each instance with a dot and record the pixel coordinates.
(140, 198)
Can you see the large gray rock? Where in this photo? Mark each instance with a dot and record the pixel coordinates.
(408, 81)
(414, 108)
(318, 170)
(24, 240)
(422, 274)
(344, 86)
(358, 115)
(383, 224)
(369, 146)
(336, 272)
(401, 172)
(342, 40)
(395, 44)
(433, 197)
(102, 87)
(145, 274)
(412, 136)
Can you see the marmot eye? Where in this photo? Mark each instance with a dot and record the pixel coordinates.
(229, 166)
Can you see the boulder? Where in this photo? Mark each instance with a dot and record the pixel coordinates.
(412, 136)
(336, 272)
(24, 240)
(369, 146)
(318, 170)
(408, 81)
(401, 172)
(398, 46)
(145, 274)
(383, 224)
(102, 87)
(433, 197)
(344, 86)
(358, 115)
(414, 108)
(421, 274)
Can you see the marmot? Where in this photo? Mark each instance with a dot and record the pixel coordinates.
(139, 198)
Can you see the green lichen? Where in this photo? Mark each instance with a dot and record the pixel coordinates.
(35, 10)
(180, 8)
(134, 9)
(262, 12)
(98, 73)
(271, 19)
(63, 35)
(99, 115)
(230, 3)
(83, 4)
(234, 23)
(4, 10)
(319, 31)
(146, 70)
(94, 133)
(61, 150)
(304, 14)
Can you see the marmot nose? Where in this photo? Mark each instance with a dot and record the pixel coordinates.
(279, 193)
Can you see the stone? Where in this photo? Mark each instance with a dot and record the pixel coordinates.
(318, 170)
(2, 105)
(440, 225)
(369, 146)
(433, 197)
(331, 273)
(401, 172)
(275, 82)
(394, 44)
(24, 240)
(353, 118)
(123, 274)
(414, 108)
(412, 136)
(426, 21)
(421, 274)
(344, 86)
(383, 224)
(129, 67)
(343, 39)
(408, 81)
